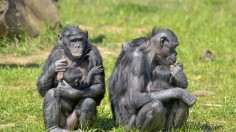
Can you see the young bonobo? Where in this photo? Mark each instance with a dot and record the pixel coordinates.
(164, 77)
(75, 78)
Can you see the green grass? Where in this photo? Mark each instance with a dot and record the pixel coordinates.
(199, 24)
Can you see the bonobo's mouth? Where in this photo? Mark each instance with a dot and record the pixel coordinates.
(76, 55)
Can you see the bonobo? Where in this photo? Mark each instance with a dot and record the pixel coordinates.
(134, 107)
(164, 77)
(74, 77)
(60, 99)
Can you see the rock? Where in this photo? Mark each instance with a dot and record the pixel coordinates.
(206, 55)
(27, 16)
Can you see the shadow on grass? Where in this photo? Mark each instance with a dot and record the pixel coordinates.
(30, 65)
(98, 39)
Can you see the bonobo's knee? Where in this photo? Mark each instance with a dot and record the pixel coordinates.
(157, 106)
(52, 93)
(88, 104)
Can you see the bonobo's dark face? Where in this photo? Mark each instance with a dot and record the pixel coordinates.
(75, 41)
(165, 43)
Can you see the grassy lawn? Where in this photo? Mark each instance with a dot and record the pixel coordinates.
(199, 25)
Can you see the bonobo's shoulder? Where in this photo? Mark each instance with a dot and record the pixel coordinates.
(95, 50)
(138, 54)
(57, 48)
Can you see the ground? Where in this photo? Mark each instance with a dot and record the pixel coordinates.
(199, 25)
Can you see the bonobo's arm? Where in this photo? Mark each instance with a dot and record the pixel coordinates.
(54, 64)
(93, 91)
(94, 71)
(178, 77)
(137, 83)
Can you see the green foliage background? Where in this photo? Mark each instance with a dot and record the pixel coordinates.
(199, 25)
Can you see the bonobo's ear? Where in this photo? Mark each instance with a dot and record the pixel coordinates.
(59, 39)
(163, 40)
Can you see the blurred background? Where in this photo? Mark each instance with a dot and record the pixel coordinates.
(206, 30)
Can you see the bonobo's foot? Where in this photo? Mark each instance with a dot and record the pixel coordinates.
(58, 129)
(78, 113)
(72, 120)
(188, 98)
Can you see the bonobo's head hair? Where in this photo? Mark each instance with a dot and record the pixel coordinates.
(73, 30)
(73, 76)
(161, 73)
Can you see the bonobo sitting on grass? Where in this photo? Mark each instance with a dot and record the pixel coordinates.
(134, 107)
(72, 48)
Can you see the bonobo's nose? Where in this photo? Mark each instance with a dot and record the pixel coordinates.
(76, 46)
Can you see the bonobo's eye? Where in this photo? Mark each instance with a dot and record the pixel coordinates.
(163, 40)
(77, 40)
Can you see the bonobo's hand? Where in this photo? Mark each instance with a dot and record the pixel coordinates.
(64, 89)
(178, 77)
(177, 68)
(96, 70)
(59, 65)
(186, 96)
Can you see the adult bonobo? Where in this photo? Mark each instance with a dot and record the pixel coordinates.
(131, 105)
(60, 99)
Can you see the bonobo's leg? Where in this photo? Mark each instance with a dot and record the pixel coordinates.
(73, 120)
(151, 117)
(52, 111)
(88, 112)
(85, 113)
(178, 115)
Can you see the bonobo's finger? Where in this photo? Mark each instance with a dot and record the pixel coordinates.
(60, 69)
(66, 84)
(61, 64)
(62, 61)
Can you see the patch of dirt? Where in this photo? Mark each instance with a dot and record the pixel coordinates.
(7, 125)
(203, 93)
(105, 52)
(10, 59)
(42, 56)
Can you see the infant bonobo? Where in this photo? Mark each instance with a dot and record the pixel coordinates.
(74, 77)
(164, 77)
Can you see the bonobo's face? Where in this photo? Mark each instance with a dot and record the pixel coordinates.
(165, 43)
(75, 41)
